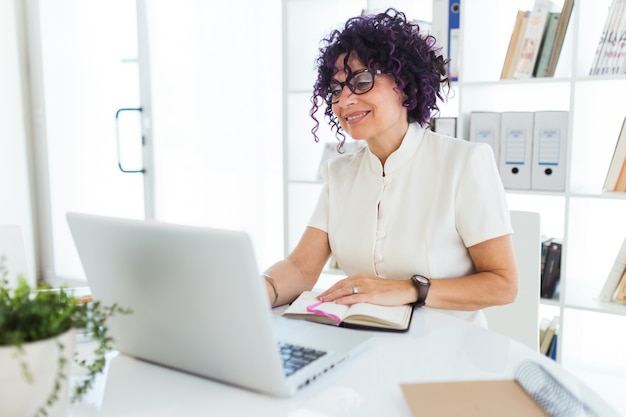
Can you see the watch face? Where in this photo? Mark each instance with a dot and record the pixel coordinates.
(422, 279)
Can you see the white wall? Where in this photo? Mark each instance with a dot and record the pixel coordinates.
(15, 195)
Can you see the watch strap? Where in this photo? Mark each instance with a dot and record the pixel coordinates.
(422, 289)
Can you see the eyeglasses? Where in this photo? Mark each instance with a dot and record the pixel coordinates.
(359, 82)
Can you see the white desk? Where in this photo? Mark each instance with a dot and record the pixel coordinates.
(437, 348)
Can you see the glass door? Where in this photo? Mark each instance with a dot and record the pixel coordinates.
(165, 109)
(85, 69)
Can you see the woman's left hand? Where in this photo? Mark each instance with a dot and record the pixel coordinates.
(362, 288)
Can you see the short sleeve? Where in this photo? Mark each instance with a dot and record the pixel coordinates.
(319, 218)
(481, 206)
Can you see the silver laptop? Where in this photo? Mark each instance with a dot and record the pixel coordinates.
(199, 304)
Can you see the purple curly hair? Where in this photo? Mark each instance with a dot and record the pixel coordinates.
(390, 43)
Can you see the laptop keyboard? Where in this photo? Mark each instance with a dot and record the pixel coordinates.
(295, 357)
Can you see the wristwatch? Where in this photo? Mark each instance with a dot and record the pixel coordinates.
(422, 284)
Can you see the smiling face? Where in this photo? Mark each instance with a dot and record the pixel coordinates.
(376, 116)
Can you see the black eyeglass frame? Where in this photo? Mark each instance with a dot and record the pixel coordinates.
(334, 100)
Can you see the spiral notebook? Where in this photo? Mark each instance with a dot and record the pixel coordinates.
(534, 392)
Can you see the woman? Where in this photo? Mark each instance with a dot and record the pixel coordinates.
(413, 217)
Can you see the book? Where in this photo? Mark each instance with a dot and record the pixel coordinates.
(547, 44)
(545, 244)
(620, 58)
(614, 275)
(553, 346)
(543, 328)
(358, 316)
(608, 57)
(561, 30)
(596, 64)
(618, 45)
(619, 64)
(620, 294)
(521, 20)
(552, 269)
(532, 39)
(547, 340)
(616, 165)
(620, 184)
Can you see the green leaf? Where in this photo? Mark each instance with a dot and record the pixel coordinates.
(32, 314)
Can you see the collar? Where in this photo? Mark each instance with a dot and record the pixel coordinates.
(402, 155)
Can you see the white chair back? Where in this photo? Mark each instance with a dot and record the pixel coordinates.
(520, 320)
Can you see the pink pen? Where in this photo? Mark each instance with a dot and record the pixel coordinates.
(313, 309)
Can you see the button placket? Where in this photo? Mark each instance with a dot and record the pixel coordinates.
(381, 232)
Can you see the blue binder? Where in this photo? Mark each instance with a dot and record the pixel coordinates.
(454, 38)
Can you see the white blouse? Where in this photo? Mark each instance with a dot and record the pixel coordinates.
(436, 197)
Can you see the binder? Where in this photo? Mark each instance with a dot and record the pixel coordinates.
(444, 125)
(550, 138)
(446, 28)
(439, 25)
(516, 140)
(454, 39)
(485, 128)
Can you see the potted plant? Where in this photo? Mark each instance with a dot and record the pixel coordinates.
(37, 341)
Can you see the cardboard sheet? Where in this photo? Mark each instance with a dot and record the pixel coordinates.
(470, 399)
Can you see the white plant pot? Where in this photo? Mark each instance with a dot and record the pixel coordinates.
(23, 399)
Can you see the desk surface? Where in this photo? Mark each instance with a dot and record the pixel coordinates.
(437, 348)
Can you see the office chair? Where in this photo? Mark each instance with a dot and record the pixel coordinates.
(520, 319)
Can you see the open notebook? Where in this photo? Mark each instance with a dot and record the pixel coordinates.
(199, 304)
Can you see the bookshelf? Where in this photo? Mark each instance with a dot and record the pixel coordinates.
(591, 223)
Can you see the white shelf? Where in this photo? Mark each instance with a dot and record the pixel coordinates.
(583, 295)
(550, 80)
(591, 222)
